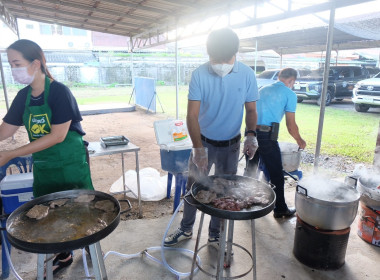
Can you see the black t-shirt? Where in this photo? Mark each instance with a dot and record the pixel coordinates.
(61, 101)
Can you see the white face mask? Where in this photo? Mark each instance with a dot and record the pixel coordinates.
(22, 76)
(222, 69)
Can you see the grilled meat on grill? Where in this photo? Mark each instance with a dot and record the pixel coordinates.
(206, 197)
(58, 202)
(38, 212)
(232, 195)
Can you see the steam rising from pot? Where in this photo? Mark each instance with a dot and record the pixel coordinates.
(369, 177)
(326, 189)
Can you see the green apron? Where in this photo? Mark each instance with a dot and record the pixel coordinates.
(62, 166)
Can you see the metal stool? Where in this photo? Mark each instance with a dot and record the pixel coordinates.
(96, 257)
(180, 187)
(224, 260)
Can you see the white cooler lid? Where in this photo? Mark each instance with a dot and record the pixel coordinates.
(9, 181)
(162, 129)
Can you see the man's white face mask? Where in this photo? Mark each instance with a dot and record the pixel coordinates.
(222, 69)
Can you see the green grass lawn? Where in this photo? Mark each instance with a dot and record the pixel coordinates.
(345, 133)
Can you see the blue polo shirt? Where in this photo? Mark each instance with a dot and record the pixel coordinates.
(222, 99)
(275, 100)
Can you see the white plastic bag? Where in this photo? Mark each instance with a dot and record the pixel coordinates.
(152, 186)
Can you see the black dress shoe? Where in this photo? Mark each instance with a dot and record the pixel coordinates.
(286, 214)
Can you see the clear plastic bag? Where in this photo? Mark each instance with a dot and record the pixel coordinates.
(152, 185)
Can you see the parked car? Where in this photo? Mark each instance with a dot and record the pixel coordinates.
(270, 76)
(373, 71)
(267, 77)
(342, 80)
(366, 94)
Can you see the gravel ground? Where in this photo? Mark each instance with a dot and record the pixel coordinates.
(335, 166)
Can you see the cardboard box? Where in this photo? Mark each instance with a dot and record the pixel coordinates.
(16, 190)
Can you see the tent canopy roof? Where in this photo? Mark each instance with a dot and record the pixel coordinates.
(121, 17)
(148, 22)
(307, 40)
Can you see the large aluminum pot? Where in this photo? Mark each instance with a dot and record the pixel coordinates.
(369, 188)
(331, 206)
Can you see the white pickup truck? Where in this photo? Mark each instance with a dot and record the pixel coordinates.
(366, 94)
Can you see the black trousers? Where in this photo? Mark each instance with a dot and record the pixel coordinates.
(269, 155)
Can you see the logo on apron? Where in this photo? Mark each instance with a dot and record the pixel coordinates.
(39, 125)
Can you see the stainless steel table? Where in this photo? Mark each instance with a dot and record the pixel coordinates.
(95, 150)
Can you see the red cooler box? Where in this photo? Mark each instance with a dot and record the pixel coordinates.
(16, 189)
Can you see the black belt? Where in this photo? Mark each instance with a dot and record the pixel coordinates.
(224, 143)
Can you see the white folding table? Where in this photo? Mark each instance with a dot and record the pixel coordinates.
(95, 150)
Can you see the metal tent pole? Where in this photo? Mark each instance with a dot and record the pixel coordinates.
(376, 158)
(4, 84)
(324, 86)
(256, 57)
(176, 72)
(3, 76)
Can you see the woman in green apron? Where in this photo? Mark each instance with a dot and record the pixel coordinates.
(51, 116)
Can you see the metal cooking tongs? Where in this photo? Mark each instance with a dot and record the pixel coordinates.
(290, 175)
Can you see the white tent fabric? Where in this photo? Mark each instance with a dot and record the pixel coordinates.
(367, 27)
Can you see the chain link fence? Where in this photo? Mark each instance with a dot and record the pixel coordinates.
(86, 69)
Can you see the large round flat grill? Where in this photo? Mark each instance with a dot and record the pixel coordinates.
(226, 234)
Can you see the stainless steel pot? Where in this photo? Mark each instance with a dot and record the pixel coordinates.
(369, 189)
(368, 185)
(327, 214)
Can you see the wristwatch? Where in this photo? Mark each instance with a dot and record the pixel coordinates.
(250, 131)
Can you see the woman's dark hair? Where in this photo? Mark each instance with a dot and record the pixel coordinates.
(31, 51)
(222, 44)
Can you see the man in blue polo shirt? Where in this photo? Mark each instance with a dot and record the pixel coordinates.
(218, 93)
(276, 100)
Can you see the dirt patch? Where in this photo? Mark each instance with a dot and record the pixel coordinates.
(105, 170)
(138, 127)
